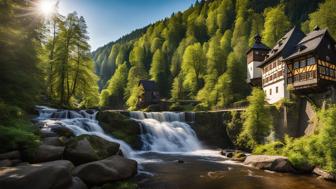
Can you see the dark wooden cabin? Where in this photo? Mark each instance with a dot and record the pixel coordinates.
(312, 67)
(150, 94)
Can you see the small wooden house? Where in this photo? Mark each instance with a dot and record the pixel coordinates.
(149, 94)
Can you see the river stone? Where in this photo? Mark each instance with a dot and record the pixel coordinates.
(50, 175)
(87, 148)
(272, 163)
(111, 169)
(323, 174)
(47, 153)
(77, 183)
(10, 155)
(5, 163)
(53, 141)
(45, 133)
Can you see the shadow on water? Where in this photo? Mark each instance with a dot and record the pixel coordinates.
(162, 171)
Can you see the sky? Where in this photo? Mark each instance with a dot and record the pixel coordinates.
(109, 20)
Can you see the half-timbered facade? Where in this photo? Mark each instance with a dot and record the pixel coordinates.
(312, 67)
(274, 68)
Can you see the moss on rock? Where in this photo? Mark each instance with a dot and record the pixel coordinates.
(120, 126)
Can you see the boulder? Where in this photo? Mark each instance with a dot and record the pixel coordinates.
(61, 130)
(111, 169)
(121, 126)
(87, 148)
(47, 153)
(77, 183)
(10, 155)
(45, 133)
(53, 175)
(5, 163)
(54, 141)
(323, 174)
(272, 163)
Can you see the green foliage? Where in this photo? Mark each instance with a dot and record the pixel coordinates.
(113, 95)
(68, 68)
(193, 66)
(325, 16)
(318, 149)
(258, 122)
(222, 30)
(276, 24)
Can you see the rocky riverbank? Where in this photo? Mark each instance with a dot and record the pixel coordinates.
(65, 161)
(276, 163)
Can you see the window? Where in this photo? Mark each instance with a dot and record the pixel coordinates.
(296, 65)
(302, 63)
(270, 92)
(332, 73)
(290, 66)
(311, 61)
(276, 89)
(303, 76)
(322, 70)
(290, 80)
(327, 71)
(296, 78)
(309, 75)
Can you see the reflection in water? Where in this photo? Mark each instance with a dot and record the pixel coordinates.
(198, 172)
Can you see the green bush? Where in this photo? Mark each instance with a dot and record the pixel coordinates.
(318, 149)
(257, 121)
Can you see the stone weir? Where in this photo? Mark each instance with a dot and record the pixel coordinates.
(214, 129)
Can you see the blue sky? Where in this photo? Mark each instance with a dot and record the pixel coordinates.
(110, 19)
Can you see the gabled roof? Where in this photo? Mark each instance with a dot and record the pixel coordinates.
(258, 45)
(286, 45)
(148, 85)
(309, 43)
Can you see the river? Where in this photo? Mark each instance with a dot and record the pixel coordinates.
(172, 157)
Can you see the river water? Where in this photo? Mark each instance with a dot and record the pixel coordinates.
(173, 158)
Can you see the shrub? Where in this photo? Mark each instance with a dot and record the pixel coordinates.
(257, 122)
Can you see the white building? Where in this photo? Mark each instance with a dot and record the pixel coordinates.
(272, 68)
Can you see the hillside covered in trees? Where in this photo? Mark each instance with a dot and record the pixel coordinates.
(200, 54)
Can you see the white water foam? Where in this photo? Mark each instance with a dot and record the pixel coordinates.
(166, 132)
(80, 123)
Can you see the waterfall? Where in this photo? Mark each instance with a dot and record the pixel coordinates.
(79, 122)
(166, 132)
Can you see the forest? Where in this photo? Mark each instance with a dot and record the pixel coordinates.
(200, 54)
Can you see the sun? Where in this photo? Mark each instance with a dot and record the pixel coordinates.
(47, 7)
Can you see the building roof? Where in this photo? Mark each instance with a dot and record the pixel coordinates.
(148, 85)
(285, 46)
(258, 45)
(309, 43)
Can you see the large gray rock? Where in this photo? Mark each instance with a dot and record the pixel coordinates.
(10, 155)
(53, 175)
(77, 183)
(88, 148)
(323, 174)
(272, 163)
(54, 141)
(46, 153)
(111, 169)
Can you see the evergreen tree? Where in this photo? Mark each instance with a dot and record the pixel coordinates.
(276, 24)
(193, 67)
(258, 121)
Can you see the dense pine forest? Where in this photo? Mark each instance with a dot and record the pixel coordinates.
(199, 54)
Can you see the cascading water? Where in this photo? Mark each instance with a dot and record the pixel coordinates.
(166, 132)
(79, 122)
